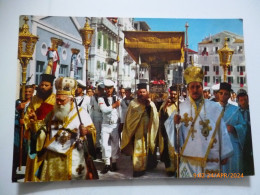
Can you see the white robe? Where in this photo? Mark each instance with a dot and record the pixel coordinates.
(202, 153)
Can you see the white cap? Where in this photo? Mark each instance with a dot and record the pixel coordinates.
(206, 89)
(215, 87)
(81, 83)
(109, 83)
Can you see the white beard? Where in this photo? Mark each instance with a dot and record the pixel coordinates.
(61, 111)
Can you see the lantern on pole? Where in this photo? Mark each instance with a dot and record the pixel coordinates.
(26, 46)
(225, 57)
(86, 35)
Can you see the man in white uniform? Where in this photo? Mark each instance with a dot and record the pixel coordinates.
(109, 128)
(82, 99)
(203, 136)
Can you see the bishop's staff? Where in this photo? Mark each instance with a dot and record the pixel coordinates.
(177, 130)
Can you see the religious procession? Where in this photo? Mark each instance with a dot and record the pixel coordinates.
(73, 128)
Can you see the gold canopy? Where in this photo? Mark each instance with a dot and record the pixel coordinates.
(155, 47)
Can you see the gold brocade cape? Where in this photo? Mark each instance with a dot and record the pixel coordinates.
(169, 110)
(32, 163)
(133, 123)
(61, 159)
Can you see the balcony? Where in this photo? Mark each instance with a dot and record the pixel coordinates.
(111, 27)
(111, 56)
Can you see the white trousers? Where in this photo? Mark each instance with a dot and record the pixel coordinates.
(110, 142)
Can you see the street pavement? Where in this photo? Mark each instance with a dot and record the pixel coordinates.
(125, 170)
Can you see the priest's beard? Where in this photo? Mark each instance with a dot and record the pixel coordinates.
(143, 99)
(61, 111)
(44, 94)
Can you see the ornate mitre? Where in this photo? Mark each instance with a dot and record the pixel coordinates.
(193, 74)
(65, 86)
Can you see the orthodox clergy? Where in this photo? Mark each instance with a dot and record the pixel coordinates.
(167, 151)
(41, 104)
(64, 138)
(109, 129)
(236, 127)
(140, 131)
(203, 136)
(248, 161)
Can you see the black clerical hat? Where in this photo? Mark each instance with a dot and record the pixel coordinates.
(141, 86)
(47, 77)
(225, 86)
(173, 88)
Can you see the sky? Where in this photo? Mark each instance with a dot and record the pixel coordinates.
(198, 28)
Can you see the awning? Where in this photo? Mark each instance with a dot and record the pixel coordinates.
(155, 47)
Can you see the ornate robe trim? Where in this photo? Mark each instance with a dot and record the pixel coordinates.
(205, 128)
(197, 160)
(186, 119)
(212, 141)
(216, 160)
(191, 130)
(66, 123)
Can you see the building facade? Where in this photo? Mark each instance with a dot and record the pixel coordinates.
(209, 60)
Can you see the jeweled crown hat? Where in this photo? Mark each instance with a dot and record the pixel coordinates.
(65, 86)
(193, 74)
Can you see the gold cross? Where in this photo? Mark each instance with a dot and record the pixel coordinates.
(186, 119)
(193, 131)
(205, 128)
(80, 169)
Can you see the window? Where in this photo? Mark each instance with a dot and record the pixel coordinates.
(216, 79)
(240, 49)
(63, 70)
(78, 73)
(206, 68)
(216, 50)
(206, 80)
(105, 40)
(39, 71)
(99, 39)
(217, 40)
(230, 80)
(98, 65)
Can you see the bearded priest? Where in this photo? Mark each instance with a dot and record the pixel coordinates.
(65, 139)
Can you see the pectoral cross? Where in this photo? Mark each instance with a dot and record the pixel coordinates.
(80, 169)
(193, 131)
(205, 128)
(186, 119)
